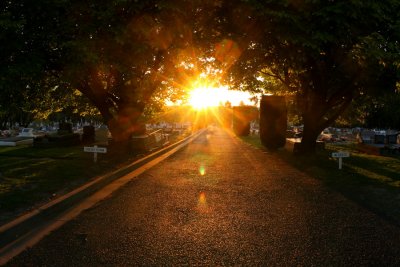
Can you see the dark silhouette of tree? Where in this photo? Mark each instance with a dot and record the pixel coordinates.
(323, 53)
(127, 57)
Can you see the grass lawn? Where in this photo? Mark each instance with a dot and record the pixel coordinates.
(372, 181)
(30, 176)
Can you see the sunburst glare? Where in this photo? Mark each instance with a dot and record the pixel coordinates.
(204, 97)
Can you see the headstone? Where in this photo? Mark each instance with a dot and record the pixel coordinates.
(273, 121)
(391, 139)
(26, 132)
(240, 124)
(88, 135)
(379, 139)
(64, 128)
(366, 137)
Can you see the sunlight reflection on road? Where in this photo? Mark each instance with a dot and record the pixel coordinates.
(202, 206)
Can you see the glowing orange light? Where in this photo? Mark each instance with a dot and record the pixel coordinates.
(202, 206)
(202, 198)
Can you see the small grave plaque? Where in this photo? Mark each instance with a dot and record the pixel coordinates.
(95, 150)
(340, 155)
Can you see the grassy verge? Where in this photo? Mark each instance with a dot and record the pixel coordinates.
(372, 181)
(32, 176)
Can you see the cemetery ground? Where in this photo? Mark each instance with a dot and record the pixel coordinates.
(369, 180)
(32, 176)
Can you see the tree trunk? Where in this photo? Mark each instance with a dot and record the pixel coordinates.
(122, 126)
(125, 123)
(310, 135)
(273, 121)
(313, 124)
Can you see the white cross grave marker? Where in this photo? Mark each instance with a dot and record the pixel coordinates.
(340, 155)
(95, 150)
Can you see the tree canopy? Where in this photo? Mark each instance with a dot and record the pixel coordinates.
(325, 53)
(127, 56)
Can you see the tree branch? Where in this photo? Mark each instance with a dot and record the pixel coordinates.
(285, 81)
(338, 112)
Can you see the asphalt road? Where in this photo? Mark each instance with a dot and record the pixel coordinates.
(221, 202)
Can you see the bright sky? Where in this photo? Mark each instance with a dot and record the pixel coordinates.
(202, 97)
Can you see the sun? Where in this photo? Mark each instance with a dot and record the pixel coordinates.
(204, 97)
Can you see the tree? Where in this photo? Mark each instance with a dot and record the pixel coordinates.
(324, 53)
(109, 60)
(384, 112)
(29, 58)
(125, 56)
(128, 56)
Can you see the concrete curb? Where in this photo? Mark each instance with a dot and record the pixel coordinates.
(21, 226)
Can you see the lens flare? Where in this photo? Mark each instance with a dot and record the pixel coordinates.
(202, 170)
(202, 206)
(202, 198)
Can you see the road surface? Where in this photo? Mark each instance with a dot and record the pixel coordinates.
(221, 202)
